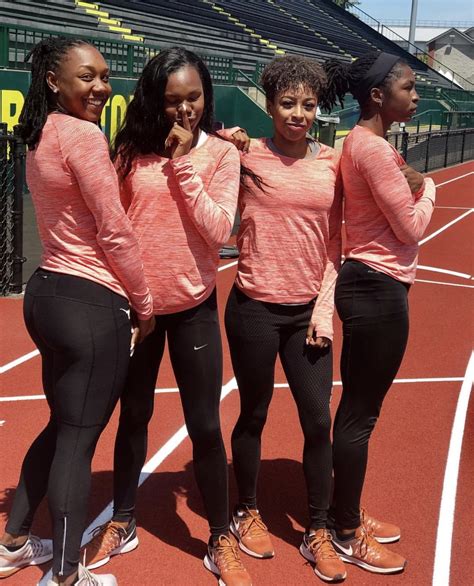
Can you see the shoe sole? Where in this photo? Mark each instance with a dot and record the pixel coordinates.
(211, 566)
(304, 551)
(125, 548)
(9, 570)
(392, 539)
(254, 554)
(369, 568)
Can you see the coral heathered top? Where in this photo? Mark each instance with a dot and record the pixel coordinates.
(384, 220)
(290, 235)
(82, 225)
(182, 211)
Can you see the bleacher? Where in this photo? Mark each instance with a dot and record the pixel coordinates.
(247, 32)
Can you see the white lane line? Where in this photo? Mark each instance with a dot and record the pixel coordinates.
(451, 208)
(444, 283)
(446, 379)
(442, 229)
(337, 383)
(442, 562)
(227, 266)
(18, 361)
(444, 271)
(158, 458)
(454, 179)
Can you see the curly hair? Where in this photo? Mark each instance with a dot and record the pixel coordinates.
(45, 56)
(290, 73)
(346, 77)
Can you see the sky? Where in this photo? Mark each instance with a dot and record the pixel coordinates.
(451, 10)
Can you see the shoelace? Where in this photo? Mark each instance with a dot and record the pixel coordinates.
(252, 523)
(228, 553)
(320, 544)
(91, 579)
(366, 520)
(109, 530)
(367, 541)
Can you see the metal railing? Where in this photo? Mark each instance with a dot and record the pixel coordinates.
(125, 58)
(426, 151)
(12, 158)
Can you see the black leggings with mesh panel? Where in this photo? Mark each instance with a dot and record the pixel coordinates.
(258, 332)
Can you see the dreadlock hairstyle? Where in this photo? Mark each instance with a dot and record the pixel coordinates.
(352, 77)
(45, 56)
(146, 127)
(290, 73)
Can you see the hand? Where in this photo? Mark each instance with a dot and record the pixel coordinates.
(180, 138)
(313, 340)
(414, 179)
(241, 140)
(140, 330)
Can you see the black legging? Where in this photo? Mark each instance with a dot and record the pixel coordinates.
(257, 333)
(373, 308)
(82, 331)
(195, 348)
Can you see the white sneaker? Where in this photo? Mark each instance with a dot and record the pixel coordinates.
(34, 552)
(86, 578)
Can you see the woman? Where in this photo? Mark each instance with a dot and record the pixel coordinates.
(282, 301)
(179, 186)
(387, 208)
(77, 304)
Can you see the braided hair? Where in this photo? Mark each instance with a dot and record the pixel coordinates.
(45, 56)
(346, 77)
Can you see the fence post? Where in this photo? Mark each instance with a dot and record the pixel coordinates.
(431, 121)
(427, 158)
(446, 151)
(130, 60)
(18, 153)
(405, 144)
(4, 41)
(463, 144)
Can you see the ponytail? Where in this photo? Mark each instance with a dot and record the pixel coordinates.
(337, 85)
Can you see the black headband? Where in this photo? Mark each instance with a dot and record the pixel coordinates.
(376, 74)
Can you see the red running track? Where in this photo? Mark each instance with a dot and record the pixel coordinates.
(409, 452)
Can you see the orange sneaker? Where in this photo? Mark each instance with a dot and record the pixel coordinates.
(252, 534)
(223, 560)
(382, 532)
(318, 549)
(364, 551)
(108, 540)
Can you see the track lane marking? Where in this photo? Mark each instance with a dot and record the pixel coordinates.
(444, 271)
(442, 561)
(443, 228)
(444, 283)
(172, 390)
(18, 361)
(454, 179)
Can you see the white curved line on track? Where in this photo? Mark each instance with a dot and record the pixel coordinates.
(172, 390)
(442, 561)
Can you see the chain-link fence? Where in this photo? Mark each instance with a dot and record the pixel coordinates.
(426, 151)
(12, 155)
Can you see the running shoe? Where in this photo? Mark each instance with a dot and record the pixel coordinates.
(223, 559)
(252, 533)
(108, 540)
(382, 532)
(86, 578)
(34, 552)
(364, 551)
(318, 549)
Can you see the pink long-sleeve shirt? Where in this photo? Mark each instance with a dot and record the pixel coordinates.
(384, 220)
(82, 226)
(290, 235)
(182, 211)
